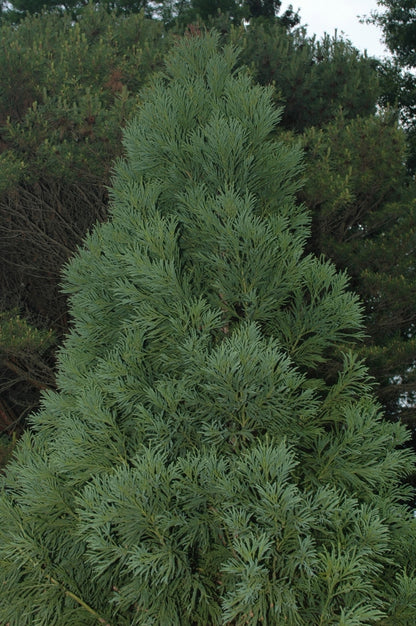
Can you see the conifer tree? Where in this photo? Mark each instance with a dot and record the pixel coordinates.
(192, 469)
(364, 218)
(397, 20)
(314, 79)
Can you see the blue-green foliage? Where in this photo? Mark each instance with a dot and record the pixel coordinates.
(192, 470)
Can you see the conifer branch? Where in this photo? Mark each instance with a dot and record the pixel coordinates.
(78, 600)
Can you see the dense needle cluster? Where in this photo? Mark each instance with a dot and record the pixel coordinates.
(193, 469)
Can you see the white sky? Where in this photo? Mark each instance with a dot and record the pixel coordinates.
(320, 16)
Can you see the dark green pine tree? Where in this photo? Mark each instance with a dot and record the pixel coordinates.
(192, 469)
(397, 20)
(364, 218)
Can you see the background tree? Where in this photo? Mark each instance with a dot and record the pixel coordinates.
(193, 469)
(178, 15)
(67, 89)
(205, 12)
(363, 205)
(313, 79)
(16, 10)
(398, 23)
(270, 8)
(399, 29)
(357, 187)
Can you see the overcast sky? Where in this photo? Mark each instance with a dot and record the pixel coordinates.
(322, 16)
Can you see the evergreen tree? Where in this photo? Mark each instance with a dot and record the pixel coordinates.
(187, 11)
(270, 8)
(362, 201)
(15, 10)
(358, 188)
(313, 79)
(181, 13)
(398, 22)
(193, 469)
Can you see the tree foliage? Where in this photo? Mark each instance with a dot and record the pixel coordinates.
(182, 11)
(16, 10)
(399, 28)
(313, 79)
(192, 468)
(363, 205)
(269, 9)
(358, 189)
(185, 12)
(398, 23)
(67, 89)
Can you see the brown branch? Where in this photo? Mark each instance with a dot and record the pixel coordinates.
(26, 376)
